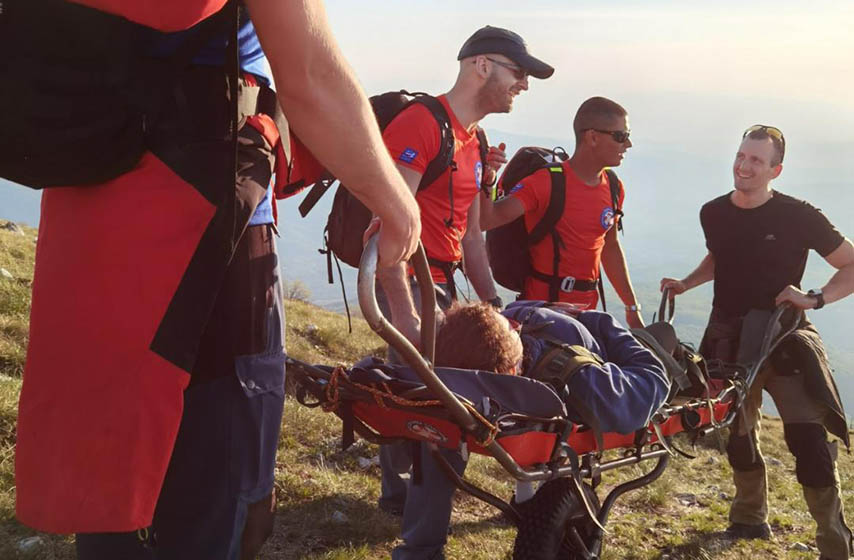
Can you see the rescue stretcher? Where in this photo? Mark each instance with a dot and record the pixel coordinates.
(519, 422)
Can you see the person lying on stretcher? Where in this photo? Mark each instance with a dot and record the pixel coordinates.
(605, 376)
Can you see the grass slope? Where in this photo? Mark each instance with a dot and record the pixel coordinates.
(327, 496)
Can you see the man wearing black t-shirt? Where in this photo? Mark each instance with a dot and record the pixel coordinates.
(758, 240)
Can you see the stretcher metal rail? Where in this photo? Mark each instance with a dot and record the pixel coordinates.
(650, 443)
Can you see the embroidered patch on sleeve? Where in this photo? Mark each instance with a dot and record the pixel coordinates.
(408, 155)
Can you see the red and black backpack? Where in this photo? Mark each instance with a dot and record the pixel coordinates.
(349, 218)
(508, 246)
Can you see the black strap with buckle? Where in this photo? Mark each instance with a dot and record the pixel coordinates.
(565, 283)
(448, 268)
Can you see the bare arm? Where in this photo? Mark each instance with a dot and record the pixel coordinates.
(614, 263)
(475, 261)
(494, 214)
(840, 285)
(327, 109)
(705, 272)
(395, 283)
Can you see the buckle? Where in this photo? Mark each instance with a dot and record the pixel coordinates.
(567, 284)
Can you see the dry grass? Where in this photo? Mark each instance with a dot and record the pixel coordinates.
(317, 483)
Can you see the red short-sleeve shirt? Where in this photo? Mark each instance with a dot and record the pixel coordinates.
(413, 141)
(587, 216)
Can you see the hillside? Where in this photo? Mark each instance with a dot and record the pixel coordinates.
(327, 497)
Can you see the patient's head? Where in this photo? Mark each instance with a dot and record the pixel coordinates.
(475, 336)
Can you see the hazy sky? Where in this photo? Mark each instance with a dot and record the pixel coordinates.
(693, 74)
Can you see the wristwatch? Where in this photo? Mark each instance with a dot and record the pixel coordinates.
(496, 302)
(818, 296)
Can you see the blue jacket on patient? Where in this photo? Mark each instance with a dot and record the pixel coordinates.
(625, 391)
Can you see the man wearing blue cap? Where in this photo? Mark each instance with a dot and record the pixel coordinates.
(494, 68)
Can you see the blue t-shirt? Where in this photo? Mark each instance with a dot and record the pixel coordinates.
(252, 57)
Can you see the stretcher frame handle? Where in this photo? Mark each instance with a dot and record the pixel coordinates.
(667, 307)
(423, 365)
(775, 332)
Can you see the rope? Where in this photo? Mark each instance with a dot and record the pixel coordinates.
(333, 400)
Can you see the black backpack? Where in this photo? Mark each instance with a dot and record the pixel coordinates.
(76, 94)
(349, 218)
(508, 246)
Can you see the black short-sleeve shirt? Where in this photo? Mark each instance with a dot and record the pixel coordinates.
(759, 251)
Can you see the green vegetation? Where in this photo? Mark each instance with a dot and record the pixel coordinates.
(327, 497)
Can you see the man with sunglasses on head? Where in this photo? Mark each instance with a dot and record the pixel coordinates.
(494, 67)
(587, 228)
(758, 240)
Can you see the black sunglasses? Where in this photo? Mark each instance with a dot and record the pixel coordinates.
(518, 72)
(618, 135)
(771, 131)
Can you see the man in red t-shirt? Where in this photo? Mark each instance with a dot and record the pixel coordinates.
(494, 69)
(587, 226)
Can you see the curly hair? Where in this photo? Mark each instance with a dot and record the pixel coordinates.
(475, 336)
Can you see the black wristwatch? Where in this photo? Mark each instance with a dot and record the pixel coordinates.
(818, 296)
(496, 302)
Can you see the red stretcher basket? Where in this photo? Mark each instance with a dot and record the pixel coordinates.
(519, 422)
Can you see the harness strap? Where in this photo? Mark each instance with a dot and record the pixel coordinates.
(562, 361)
(448, 268)
(452, 168)
(578, 487)
(674, 370)
(656, 426)
(557, 282)
(446, 134)
(557, 366)
(693, 362)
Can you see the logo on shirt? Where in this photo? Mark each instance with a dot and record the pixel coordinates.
(408, 155)
(770, 237)
(478, 173)
(516, 188)
(607, 218)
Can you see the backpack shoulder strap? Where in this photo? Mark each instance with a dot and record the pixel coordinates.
(435, 168)
(557, 200)
(560, 361)
(614, 186)
(483, 145)
(446, 140)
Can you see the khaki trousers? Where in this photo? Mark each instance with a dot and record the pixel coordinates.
(796, 407)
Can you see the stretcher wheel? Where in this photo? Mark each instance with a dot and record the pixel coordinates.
(547, 521)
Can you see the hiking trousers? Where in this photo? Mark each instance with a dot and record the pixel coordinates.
(396, 458)
(217, 499)
(815, 461)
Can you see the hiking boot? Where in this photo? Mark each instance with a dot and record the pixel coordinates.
(749, 532)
